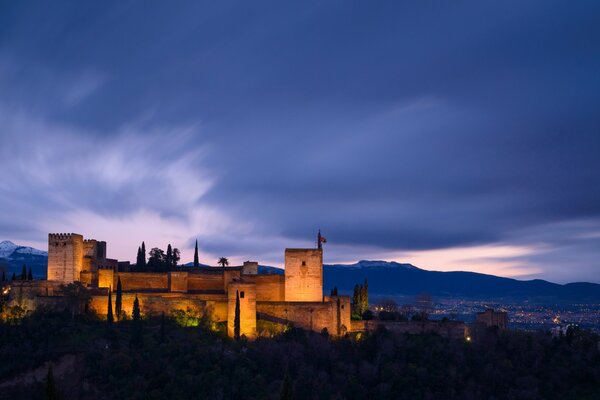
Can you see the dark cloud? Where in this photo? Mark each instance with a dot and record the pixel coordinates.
(397, 126)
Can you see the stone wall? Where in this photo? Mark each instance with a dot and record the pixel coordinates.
(178, 282)
(205, 281)
(303, 275)
(132, 281)
(65, 257)
(157, 303)
(309, 315)
(448, 329)
(268, 287)
(247, 295)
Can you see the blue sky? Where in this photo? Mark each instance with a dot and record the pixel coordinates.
(454, 135)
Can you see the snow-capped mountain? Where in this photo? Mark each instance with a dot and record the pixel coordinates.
(14, 256)
(7, 248)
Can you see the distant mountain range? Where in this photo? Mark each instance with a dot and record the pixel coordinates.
(13, 257)
(394, 279)
(385, 279)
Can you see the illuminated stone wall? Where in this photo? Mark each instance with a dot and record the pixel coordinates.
(106, 278)
(65, 257)
(247, 294)
(268, 287)
(303, 275)
(153, 304)
(310, 315)
(205, 281)
(178, 282)
(131, 281)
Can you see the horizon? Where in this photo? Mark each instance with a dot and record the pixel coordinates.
(349, 263)
(472, 146)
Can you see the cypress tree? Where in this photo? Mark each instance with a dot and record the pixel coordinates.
(169, 258)
(29, 275)
(162, 327)
(119, 299)
(51, 390)
(286, 388)
(109, 313)
(136, 335)
(196, 260)
(13, 277)
(143, 258)
(365, 296)
(3, 276)
(138, 259)
(24, 273)
(236, 319)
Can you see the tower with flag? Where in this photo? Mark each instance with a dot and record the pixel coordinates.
(320, 240)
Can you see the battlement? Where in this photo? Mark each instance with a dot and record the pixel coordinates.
(63, 236)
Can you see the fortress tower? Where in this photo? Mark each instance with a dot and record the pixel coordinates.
(65, 257)
(247, 293)
(303, 275)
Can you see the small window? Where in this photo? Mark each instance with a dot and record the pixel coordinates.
(342, 306)
(241, 295)
(304, 263)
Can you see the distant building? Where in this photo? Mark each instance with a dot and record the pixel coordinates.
(490, 317)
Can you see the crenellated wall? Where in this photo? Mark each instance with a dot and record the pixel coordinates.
(65, 257)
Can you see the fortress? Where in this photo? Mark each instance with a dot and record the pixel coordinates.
(295, 297)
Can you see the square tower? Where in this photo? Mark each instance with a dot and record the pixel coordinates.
(65, 257)
(247, 294)
(303, 275)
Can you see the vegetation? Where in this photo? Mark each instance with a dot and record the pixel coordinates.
(119, 299)
(223, 262)
(360, 300)
(158, 260)
(236, 318)
(199, 363)
(196, 260)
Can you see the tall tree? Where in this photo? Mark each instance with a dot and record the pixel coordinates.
(13, 277)
(24, 273)
(196, 259)
(162, 328)
(3, 276)
(157, 260)
(223, 261)
(136, 336)
(119, 299)
(365, 296)
(51, 390)
(109, 313)
(236, 318)
(29, 275)
(176, 257)
(286, 388)
(138, 260)
(143, 255)
(169, 257)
